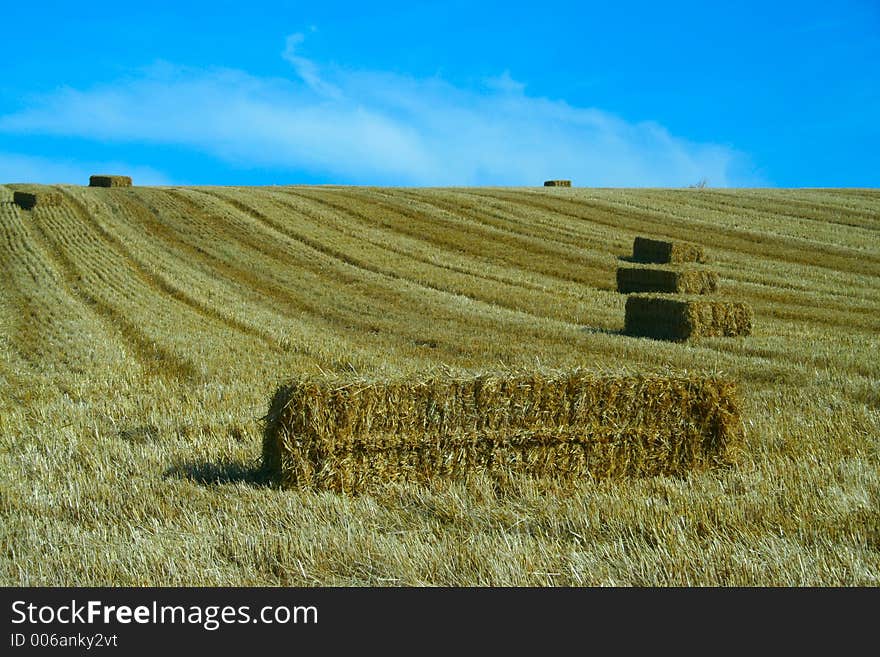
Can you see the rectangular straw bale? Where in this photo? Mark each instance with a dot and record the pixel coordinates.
(681, 318)
(347, 435)
(557, 183)
(662, 252)
(109, 181)
(30, 200)
(673, 280)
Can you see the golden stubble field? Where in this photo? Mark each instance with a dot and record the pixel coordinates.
(144, 330)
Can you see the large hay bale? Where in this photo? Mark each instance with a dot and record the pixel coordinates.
(42, 198)
(663, 252)
(346, 435)
(672, 280)
(557, 183)
(667, 318)
(109, 181)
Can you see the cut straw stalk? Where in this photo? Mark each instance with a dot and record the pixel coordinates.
(347, 435)
(30, 200)
(664, 318)
(109, 181)
(663, 252)
(673, 280)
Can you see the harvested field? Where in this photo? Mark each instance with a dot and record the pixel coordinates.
(143, 331)
(682, 318)
(30, 200)
(672, 280)
(350, 434)
(109, 181)
(662, 252)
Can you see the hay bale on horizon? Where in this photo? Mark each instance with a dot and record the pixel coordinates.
(109, 181)
(557, 183)
(648, 250)
(349, 434)
(41, 198)
(668, 280)
(665, 318)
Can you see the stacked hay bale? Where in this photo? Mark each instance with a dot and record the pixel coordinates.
(668, 299)
(662, 251)
(346, 434)
(557, 183)
(109, 181)
(664, 318)
(32, 199)
(678, 280)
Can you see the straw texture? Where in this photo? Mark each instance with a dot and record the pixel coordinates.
(670, 280)
(682, 318)
(30, 200)
(662, 252)
(347, 435)
(109, 181)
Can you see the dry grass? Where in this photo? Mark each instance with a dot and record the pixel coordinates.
(671, 280)
(143, 330)
(681, 318)
(353, 434)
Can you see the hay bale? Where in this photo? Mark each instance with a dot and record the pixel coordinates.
(349, 434)
(672, 280)
(109, 181)
(557, 183)
(663, 252)
(30, 200)
(666, 318)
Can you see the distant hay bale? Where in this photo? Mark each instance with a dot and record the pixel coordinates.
(663, 252)
(671, 280)
(557, 183)
(667, 318)
(109, 181)
(30, 200)
(349, 434)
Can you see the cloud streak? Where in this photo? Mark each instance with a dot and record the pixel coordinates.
(366, 127)
(307, 69)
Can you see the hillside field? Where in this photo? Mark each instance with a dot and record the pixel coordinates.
(144, 330)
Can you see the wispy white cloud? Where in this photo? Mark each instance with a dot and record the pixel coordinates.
(307, 69)
(379, 128)
(505, 84)
(15, 167)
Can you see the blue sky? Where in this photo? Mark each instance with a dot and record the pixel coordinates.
(782, 94)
